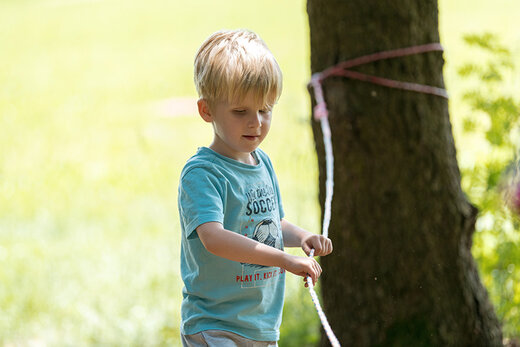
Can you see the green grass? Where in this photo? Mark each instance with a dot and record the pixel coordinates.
(89, 234)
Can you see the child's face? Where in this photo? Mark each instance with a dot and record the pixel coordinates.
(239, 128)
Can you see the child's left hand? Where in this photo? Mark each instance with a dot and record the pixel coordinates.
(322, 245)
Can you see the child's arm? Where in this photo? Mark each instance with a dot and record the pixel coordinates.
(294, 236)
(233, 246)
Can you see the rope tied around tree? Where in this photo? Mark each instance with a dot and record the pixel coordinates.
(321, 113)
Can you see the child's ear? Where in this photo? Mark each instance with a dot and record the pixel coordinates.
(204, 111)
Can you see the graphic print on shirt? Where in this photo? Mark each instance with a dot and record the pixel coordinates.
(267, 233)
(263, 225)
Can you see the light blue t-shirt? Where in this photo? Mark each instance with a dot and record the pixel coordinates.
(246, 299)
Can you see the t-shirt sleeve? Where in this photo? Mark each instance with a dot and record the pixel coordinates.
(200, 200)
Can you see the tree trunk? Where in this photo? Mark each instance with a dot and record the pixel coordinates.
(401, 273)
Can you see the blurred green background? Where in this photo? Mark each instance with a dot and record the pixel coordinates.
(97, 118)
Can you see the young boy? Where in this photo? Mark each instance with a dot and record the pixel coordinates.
(233, 227)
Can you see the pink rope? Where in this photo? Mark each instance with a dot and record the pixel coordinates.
(341, 69)
(396, 53)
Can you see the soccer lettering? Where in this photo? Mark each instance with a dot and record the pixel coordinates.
(260, 205)
(260, 200)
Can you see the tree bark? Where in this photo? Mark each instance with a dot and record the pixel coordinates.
(401, 273)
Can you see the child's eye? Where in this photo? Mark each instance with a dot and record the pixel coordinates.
(239, 111)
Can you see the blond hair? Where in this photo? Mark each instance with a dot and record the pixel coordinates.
(232, 63)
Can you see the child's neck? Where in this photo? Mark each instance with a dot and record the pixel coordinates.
(246, 158)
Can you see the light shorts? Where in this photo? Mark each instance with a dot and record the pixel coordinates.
(222, 338)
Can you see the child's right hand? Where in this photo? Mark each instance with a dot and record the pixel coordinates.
(304, 267)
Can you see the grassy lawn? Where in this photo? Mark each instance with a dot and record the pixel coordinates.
(89, 234)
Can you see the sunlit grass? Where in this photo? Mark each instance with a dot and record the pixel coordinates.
(89, 242)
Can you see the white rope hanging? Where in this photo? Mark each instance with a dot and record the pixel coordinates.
(329, 189)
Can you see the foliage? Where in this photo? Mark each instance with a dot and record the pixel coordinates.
(495, 117)
(301, 325)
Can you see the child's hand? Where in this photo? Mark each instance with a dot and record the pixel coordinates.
(322, 245)
(304, 267)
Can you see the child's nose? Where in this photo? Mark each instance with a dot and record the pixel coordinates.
(256, 120)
